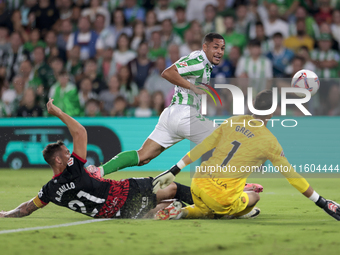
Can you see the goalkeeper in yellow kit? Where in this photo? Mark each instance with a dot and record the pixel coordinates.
(241, 144)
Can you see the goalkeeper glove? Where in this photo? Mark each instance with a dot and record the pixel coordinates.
(164, 179)
(330, 207)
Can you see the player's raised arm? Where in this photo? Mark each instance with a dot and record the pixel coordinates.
(77, 131)
(22, 210)
(164, 179)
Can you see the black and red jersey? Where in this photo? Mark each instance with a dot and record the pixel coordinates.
(83, 192)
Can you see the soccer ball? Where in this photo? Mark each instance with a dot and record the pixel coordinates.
(306, 79)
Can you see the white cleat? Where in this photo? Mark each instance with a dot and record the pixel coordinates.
(171, 212)
(251, 215)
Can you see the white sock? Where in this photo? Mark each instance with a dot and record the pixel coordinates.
(101, 171)
(314, 197)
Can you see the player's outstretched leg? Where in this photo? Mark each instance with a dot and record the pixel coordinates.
(149, 150)
(251, 211)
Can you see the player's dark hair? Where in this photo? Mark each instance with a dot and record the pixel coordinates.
(50, 151)
(208, 38)
(264, 100)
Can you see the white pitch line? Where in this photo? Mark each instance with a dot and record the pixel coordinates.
(53, 226)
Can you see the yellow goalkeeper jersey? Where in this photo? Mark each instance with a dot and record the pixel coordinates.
(242, 144)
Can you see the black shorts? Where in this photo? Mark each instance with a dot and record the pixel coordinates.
(140, 199)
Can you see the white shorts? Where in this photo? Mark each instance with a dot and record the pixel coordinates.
(178, 122)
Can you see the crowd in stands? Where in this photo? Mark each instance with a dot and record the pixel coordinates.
(105, 57)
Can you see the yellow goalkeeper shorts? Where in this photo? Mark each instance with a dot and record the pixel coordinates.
(209, 206)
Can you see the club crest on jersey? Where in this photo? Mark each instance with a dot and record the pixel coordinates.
(183, 64)
(70, 162)
(282, 154)
(243, 199)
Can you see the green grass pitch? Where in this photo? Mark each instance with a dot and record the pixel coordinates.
(289, 224)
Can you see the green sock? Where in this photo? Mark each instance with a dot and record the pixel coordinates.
(120, 161)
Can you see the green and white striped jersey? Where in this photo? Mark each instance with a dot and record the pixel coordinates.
(195, 68)
(326, 55)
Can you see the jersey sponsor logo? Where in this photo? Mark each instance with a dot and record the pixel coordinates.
(70, 162)
(282, 154)
(332, 207)
(183, 64)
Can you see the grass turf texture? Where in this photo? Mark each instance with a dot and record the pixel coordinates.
(288, 224)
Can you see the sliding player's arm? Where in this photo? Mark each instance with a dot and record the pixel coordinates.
(78, 132)
(276, 156)
(167, 177)
(22, 210)
(174, 73)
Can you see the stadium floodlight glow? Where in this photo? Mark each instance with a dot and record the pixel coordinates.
(238, 100)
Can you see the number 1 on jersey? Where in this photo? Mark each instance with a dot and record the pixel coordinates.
(231, 153)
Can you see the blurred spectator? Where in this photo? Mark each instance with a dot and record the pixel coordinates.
(266, 44)
(242, 24)
(141, 66)
(325, 28)
(158, 102)
(28, 106)
(12, 58)
(111, 5)
(196, 28)
(73, 65)
(122, 55)
(12, 97)
(151, 24)
(132, 11)
(51, 45)
(57, 66)
(181, 25)
(256, 67)
(105, 34)
(303, 52)
(65, 31)
(143, 109)
(156, 47)
(25, 9)
(44, 15)
(138, 35)
(285, 7)
(3, 112)
(119, 107)
(312, 28)
(17, 25)
(195, 9)
(85, 92)
(128, 88)
(95, 9)
(4, 40)
(336, 25)
(163, 11)
(155, 82)
(332, 106)
(325, 58)
(34, 41)
(76, 14)
(5, 16)
(279, 56)
(84, 37)
(294, 42)
(274, 24)
(65, 95)
(91, 72)
(168, 35)
(324, 13)
(92, 108)
(108, 96)
(105, 62)
(189, 45)
(65, 9)
(173, 55)
(208, 24)
(297, 64)
(119, 26)
(231, 37)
